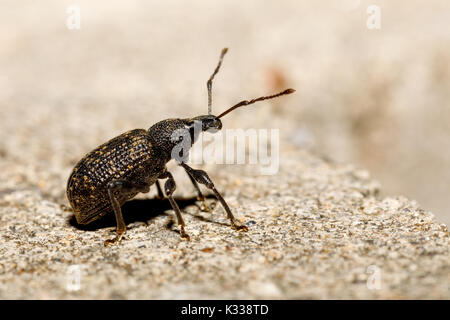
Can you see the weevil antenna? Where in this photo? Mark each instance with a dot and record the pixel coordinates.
(246, 102)
(209, 83)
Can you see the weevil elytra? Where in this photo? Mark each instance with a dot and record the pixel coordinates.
(132, 162)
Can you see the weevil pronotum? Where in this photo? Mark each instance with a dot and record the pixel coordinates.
(130, 163)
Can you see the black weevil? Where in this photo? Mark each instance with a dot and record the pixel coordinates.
(130, 163)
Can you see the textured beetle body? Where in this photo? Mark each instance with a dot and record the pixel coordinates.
(138, 156)
(130, 156)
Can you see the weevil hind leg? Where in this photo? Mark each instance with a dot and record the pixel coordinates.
(169, 188)
(116, 187)
(202, 177)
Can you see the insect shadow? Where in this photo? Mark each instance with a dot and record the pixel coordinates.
(139, 210)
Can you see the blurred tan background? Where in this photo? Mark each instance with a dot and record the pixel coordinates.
(376, 98)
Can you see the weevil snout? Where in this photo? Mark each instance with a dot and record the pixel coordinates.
(209, 123)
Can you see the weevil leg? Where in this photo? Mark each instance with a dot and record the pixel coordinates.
(169, 188)
(160, 192)
(200, 196)
(116, 187)
(202, 177)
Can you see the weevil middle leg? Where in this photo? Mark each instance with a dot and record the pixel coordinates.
(200, 196)
(160, 195)
(169, 188)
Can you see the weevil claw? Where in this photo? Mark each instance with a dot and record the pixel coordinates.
(239, 227)
(115, 240)
(205, 207)
(185, 236)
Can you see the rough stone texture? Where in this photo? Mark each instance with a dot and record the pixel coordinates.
(317, 230)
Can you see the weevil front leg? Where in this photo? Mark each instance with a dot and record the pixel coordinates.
(200, 196)
(169, 188)
(202, 177)
(115, 188)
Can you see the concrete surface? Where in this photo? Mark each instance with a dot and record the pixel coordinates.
(377, 98)
(317, 230)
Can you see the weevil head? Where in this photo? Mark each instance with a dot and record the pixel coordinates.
(172, 135)
(206, 123)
